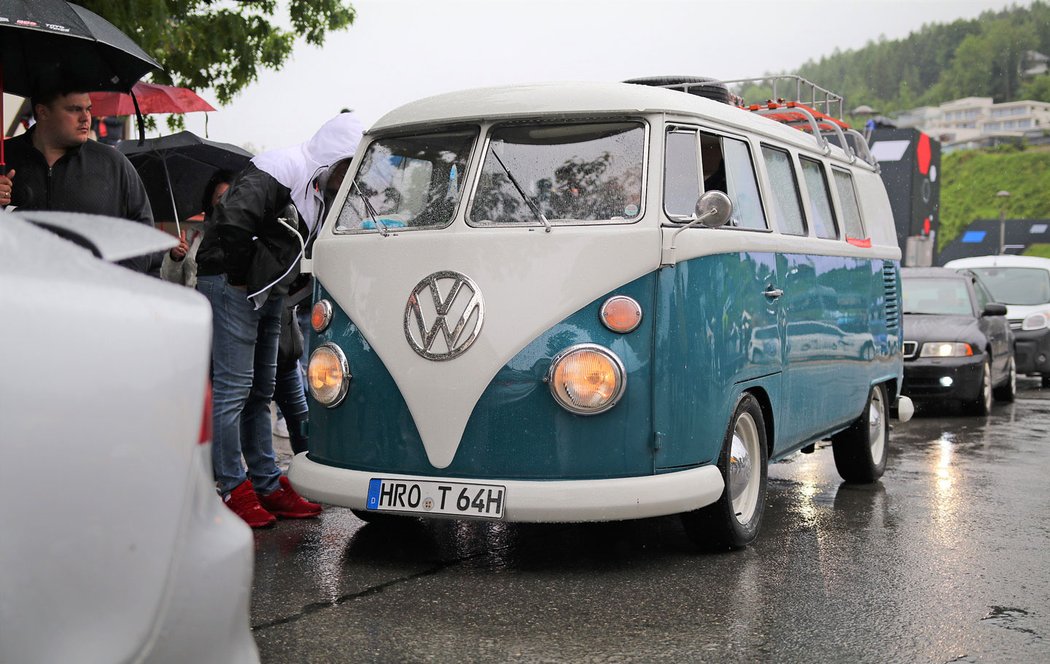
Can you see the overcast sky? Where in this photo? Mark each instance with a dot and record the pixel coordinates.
(400, 50)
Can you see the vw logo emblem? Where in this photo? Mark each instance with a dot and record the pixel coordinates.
(444, 315)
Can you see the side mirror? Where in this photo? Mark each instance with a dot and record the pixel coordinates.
(994, 309)
(714, 209)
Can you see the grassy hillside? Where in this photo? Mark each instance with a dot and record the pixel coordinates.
(971, 178)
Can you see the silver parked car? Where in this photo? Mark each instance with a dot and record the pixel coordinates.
(114, 546)
(1022, 283)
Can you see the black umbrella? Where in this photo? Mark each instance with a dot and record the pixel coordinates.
(177, 168)
(53, 42)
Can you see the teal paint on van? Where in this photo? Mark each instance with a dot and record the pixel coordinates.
(813, 353)
(360, 431)
(713, 313)
(516, 431)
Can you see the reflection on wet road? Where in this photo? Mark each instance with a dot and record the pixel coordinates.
(944, 560)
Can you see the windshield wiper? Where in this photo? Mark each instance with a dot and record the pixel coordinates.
(525, 197)
(371, 211)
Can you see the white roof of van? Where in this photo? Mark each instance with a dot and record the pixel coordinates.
(1004, 260)
(576, 100)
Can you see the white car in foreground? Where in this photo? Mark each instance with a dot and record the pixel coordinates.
(114, 546)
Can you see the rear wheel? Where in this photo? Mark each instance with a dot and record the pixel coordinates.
(983, 404)
(861, 450)
(733, 521)
(1046, 380)
(1008, 390)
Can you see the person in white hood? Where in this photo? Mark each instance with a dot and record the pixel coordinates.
(244, 265)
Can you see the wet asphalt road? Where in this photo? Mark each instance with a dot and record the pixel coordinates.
(944, 560)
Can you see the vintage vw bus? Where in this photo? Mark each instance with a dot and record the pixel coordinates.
(595, 302)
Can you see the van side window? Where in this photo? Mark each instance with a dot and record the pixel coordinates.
(819, 199)
(850, 207)
(728, 168)
(786, 199)
(681, 174)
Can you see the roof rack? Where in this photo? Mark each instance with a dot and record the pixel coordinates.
(816, 116)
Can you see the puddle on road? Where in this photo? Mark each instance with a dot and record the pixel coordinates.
(1011, 618)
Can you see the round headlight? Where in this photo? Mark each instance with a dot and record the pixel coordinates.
(621, 314)
(587, 379)
(328, 375)
(321, 315)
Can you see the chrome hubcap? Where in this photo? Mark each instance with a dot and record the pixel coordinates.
(744, 470)
(876, 426)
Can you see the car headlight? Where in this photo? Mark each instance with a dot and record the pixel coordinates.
(946, 349)
(1036, 321)
(328, 375)
(587, 379)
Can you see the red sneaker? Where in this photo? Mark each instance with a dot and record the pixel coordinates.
(286, 503)
(245, 504)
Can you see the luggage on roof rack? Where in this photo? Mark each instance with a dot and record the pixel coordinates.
(796, 102)
(810, 108)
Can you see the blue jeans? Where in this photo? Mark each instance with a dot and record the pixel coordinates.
(291, 399)
(244, 364)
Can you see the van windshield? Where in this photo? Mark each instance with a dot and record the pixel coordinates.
(573, 173)
(1016, 285)
(408, 182)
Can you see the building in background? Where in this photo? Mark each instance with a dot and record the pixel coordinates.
(974, 122)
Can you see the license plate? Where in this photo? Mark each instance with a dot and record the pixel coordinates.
(484, 501)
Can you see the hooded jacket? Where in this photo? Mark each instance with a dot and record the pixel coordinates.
(272, 209)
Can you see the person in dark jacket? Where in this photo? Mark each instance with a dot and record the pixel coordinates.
(54, 166)
(245, 263)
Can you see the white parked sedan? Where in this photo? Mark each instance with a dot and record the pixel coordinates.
(114, 546)
(1022, 283)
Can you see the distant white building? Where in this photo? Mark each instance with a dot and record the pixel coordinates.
(1035, 64)
(977, 121)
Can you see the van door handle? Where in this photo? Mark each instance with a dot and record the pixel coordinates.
(773, 293)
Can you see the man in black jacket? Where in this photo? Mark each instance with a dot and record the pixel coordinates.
(245, 263)
(54, 166)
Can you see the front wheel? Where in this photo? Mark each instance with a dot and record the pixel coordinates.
(861, 450)
(733, 521)
(1008, 390)
(983, 404)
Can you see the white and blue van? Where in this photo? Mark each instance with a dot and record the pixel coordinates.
(593, 302)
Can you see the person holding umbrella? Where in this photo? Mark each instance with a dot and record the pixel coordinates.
(53, 166)
(180, 263)
(244, 266)
(53, 51)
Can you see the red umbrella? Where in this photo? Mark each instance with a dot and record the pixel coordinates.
(152, 98)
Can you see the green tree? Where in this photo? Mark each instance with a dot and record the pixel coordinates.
(1036, 89)
(221, 45)
(989, 64)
